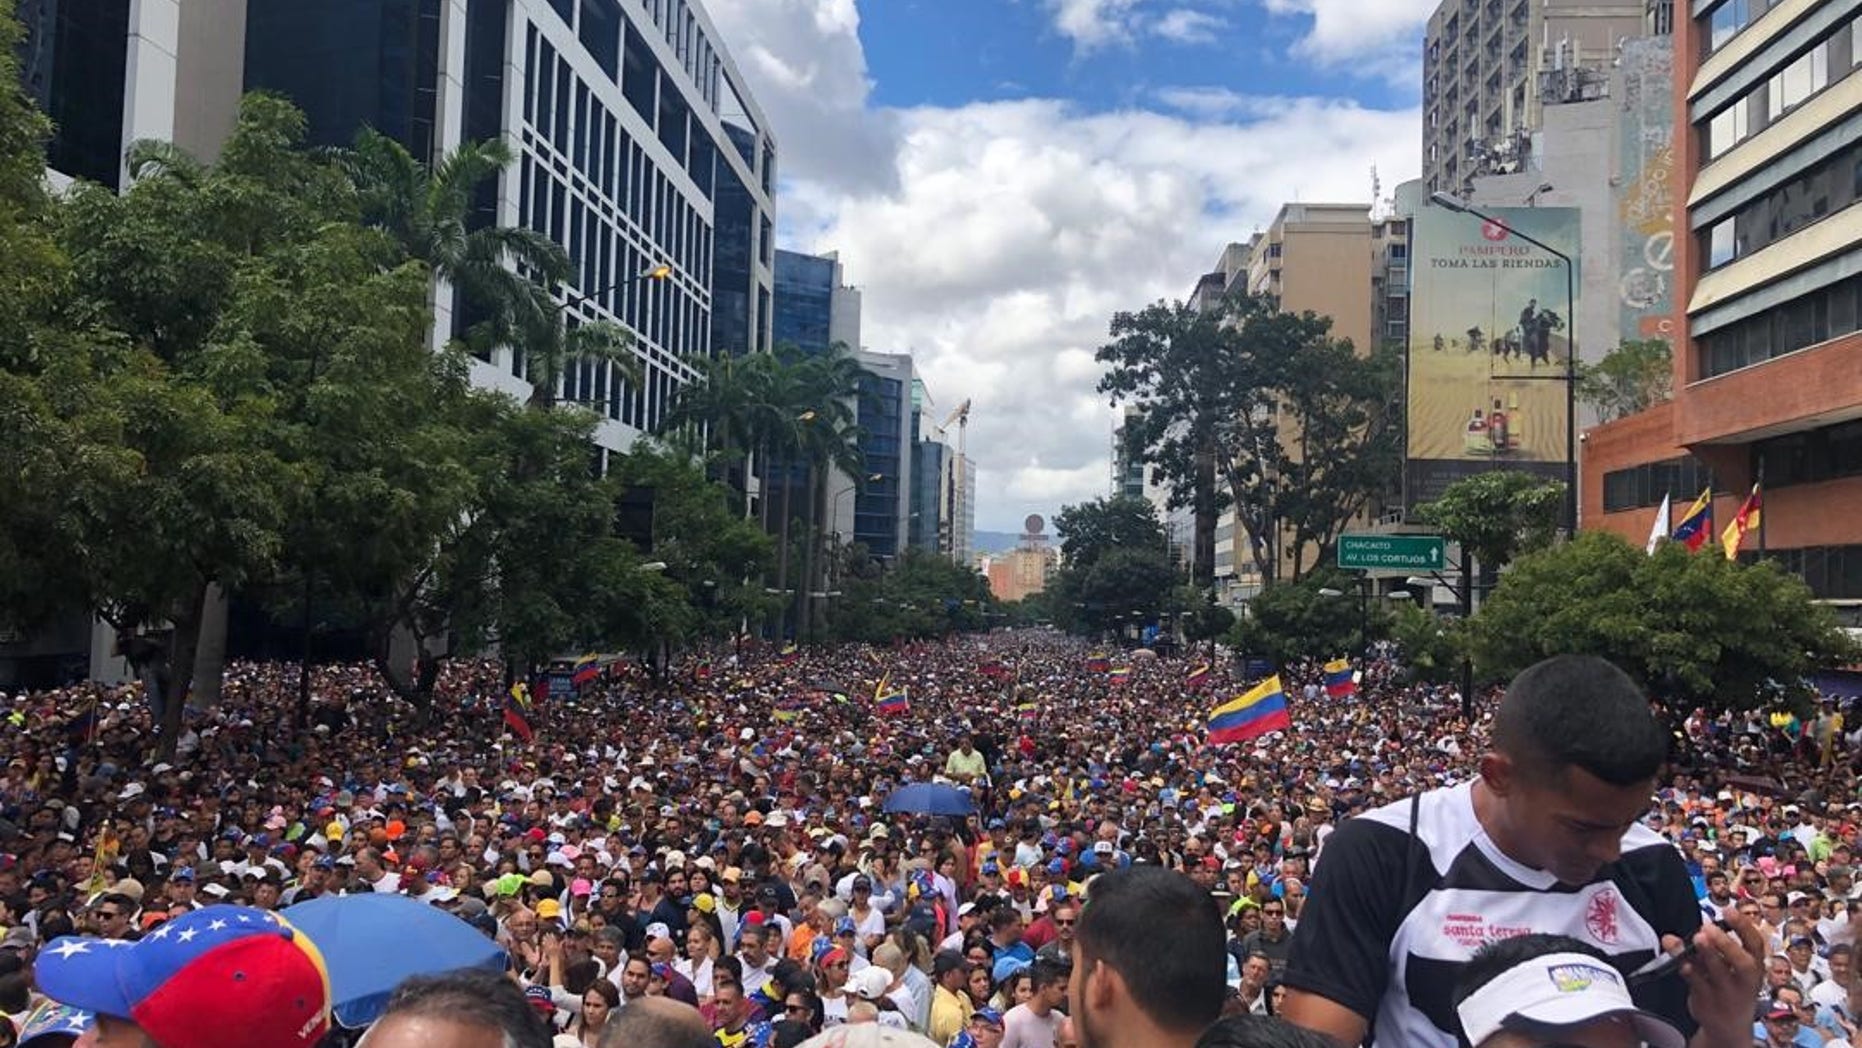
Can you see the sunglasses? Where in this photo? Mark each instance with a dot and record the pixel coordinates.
(1065, 924)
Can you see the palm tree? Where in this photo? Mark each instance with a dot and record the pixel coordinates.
(503, 271)
(729, 402)
(830, 441)
(550, 346)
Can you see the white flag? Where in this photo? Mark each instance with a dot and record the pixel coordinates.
(1659, 530)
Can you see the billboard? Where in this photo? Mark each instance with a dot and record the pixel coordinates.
(1489, 337)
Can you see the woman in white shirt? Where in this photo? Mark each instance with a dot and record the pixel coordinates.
(701, 953)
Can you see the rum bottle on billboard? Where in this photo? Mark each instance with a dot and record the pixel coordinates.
(1475, 441)
(1497, 428)
(1513, 425)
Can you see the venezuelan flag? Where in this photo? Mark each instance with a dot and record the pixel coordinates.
(1340, 681)
(893, 703)
(515, 720)
(1098, 664)
(1261, 709)
(587, 668)
(1198, 677)
(1120, 675)
(1697, 524)
(789, 653)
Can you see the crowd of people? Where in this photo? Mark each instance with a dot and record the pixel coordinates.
(707, 848)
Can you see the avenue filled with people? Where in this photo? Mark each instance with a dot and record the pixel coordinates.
(1007, 840)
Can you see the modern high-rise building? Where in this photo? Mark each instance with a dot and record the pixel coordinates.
(1127, 464)
(814, 306)
(883, 506)
(1767, 325)
(637, 147)
(1331, 259)
(1482, 86)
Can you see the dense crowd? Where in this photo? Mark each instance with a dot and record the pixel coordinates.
(716, 833)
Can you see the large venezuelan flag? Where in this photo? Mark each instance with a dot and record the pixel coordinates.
(1260, 710)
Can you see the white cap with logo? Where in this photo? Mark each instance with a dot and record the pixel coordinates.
(1556, 992)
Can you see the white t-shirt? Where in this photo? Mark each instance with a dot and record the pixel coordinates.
(1022, 1028)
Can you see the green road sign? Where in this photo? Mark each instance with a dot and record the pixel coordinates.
(1392, 552)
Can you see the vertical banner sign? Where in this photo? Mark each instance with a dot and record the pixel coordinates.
(1488, 343)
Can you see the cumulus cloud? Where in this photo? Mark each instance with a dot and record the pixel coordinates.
(1188, 26)
(1373, 36)
(807, 71)
(1092, 24)
(1015, 229)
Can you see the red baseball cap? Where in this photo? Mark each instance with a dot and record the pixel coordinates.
(222, 977)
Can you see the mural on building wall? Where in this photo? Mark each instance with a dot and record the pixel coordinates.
(1645, 194)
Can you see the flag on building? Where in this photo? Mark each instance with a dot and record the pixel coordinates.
(1659, 530)
(1259, 710)
(1341, 680)
(1744, 522)
(1198, 677)
(1696, 524)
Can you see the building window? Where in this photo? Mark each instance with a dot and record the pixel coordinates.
(1825, 314)
(1724, 22)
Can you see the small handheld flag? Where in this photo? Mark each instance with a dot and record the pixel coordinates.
(893, 703)
(1696, 524)
(515, 705)
(1198, 677)
(1259, 710)
(587, 668)
(1098, 664)
(1340, 680)
(1744, 522)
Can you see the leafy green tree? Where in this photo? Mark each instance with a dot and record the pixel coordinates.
(1696, 629)
(1090, 530)
(1497, 516)
(920, 595)
(710, 550)
(1206, 620)
(1633, 377)
(550, 343)
(1294, 621)
(1431, 647)
(1303, 432)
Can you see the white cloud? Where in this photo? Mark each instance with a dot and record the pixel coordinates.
(1014, 230)
(1374, 36)
(1092, 24)
(807, 71)
(1186, 26)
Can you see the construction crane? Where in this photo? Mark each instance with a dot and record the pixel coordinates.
(961, 417)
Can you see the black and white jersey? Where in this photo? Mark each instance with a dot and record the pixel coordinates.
(1390, 920)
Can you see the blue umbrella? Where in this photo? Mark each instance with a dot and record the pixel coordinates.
(929, 798)
(372, 943)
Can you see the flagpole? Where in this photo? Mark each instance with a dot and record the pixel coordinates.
(1760, 488)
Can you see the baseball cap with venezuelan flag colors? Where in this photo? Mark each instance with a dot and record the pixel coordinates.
(221, 977)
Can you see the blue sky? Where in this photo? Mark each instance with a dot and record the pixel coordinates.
(951, 52)
(1001, 176)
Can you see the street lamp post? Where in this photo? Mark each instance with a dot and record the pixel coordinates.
(1451, 202)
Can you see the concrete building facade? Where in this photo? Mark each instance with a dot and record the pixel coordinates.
(1768, 292)
(1481, 85)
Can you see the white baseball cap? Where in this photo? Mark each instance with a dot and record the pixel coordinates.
(1555, 992)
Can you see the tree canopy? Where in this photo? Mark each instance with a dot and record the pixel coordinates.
(1243, 404)
(1093, 529)
(1691, 627)
(1497, 516)
(1635, 376)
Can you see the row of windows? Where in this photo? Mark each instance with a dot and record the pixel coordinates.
(1829, 453)
(1827, 61)
(603, 31)
(1820, 316)
(1825, 188)
(676, 20)
(1729, 19)
(1639, 487)
(1831, 572)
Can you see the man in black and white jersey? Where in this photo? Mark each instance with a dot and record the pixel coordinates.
(1549, 838)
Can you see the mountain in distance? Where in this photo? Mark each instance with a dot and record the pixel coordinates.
(994, 541)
